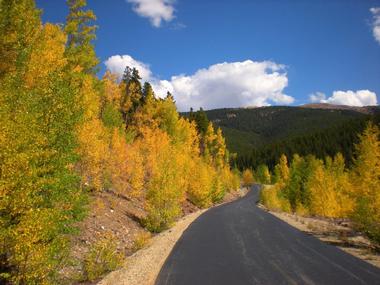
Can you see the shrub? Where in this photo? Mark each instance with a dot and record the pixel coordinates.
(247, 177)
(102, 257)
(269, 197)
(142, 239)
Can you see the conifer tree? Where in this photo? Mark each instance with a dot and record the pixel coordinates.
(132, 94)
(201, 121)
(148, 93)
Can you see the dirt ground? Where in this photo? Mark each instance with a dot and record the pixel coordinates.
(338, 232)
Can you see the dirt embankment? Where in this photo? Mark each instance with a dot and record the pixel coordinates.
(337, 232)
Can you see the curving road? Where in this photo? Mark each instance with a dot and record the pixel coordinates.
(238, 243)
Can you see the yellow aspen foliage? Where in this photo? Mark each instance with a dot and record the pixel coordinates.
(231, 179)
(269, 196)
(80, 50)
(19, 26)
(281, 171)
(112, 91)
(218, 188)
(39, 198)
(89, 98)
(186, 137)
(343, 186)
(323, 195)
(367, 162)
(164, 191)
(247, 177)
(199, 189)
(209, 143)
(125, 168)
(221, 158)
(131, 96)
(46, 58)
(366, 182)
(93, 149)
(29, 252)
(167, 116)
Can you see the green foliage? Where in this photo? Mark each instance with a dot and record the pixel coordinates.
(111, 117)
(102, 257)
(64, 131)
(81, 33)
(262, 174)
(327, 188)
(261, 135)
(366, 173)
(201, 120)
(19, 26)
(272, 198)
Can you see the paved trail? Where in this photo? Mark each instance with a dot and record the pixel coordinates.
(239, 243)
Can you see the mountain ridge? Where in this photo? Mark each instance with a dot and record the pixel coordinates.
(254, 127)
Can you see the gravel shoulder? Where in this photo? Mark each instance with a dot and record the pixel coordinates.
(143, 267)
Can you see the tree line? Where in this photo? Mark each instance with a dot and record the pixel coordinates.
(322, 143)
(65, 133)
(328, 188)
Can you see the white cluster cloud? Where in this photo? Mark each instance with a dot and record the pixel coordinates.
(350, 98)
(155, 10)
(234, 84)
(117, 64)
(376, 23)
(317, 97)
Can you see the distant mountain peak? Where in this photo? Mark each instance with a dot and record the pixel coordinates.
(364, 110)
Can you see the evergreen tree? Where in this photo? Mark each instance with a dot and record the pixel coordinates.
(148, 93)
(201, 121)
(132, 95)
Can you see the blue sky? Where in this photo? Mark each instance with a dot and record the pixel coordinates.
(230, 53)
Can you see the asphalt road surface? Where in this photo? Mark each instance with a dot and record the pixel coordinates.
(238, 243)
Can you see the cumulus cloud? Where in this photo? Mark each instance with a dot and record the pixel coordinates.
(376, 23)
(117, 63)
(317, 97)
(234, 84)
(155, 10)
(350, 98)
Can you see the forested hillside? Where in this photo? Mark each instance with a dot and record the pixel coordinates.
(261, 135)
(327, 187)
(67, 136)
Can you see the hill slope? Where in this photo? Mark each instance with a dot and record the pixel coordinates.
(252, 128)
